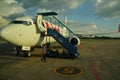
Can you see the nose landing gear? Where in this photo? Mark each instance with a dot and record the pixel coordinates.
(20, 51)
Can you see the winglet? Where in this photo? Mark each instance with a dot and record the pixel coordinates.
(119, 28)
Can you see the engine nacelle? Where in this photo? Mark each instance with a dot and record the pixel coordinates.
(74, 40)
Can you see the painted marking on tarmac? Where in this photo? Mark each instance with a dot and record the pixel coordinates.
(68, 71)
(94, 69)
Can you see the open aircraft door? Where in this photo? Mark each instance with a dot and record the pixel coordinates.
(39, 24)
(39, 20)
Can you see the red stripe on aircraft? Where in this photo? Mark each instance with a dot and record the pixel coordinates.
(47, 25)
(50, 25)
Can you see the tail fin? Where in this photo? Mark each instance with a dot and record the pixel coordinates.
(66, 20)
(119, 28)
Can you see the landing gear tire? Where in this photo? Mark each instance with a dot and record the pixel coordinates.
(27, 53)
(17, 53)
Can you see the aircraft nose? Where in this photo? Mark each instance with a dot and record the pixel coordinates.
(3, 33)
(7, 34)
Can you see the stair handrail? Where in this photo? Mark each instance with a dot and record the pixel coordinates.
(64, 25)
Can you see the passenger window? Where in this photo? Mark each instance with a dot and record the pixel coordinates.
(17, 22)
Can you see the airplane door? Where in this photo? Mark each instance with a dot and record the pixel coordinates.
(39, 23)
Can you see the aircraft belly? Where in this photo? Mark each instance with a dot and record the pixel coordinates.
(29, 40)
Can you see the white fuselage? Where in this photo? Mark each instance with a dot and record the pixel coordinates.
(26, 33)
(22, 34)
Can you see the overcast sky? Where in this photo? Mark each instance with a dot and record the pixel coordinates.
(86, 16)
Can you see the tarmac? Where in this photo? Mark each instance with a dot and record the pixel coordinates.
(99, 60)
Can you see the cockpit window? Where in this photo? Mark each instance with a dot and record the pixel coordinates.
(17, 22)
(22, 22)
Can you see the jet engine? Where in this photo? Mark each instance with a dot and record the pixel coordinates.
(74, 40)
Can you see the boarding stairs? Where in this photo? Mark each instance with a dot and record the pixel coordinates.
(72, 49)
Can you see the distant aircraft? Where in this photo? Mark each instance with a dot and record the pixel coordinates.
(94, 34)
(26, 33)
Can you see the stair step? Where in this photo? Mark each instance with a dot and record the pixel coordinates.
(72, 49)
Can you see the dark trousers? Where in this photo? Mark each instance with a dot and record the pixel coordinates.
(44, 58)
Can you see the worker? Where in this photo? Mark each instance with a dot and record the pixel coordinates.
(44, 53)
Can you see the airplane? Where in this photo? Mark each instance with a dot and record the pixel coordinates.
(26, 33)
(94, 34)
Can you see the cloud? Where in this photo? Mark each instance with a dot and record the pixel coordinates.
(107, 8)
(94, 26)
(83, 28)
(54, 5)
(9, 7)
(91, 29)
(3, 22)
(98, 2)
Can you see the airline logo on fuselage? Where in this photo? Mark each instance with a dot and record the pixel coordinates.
(50, 25)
